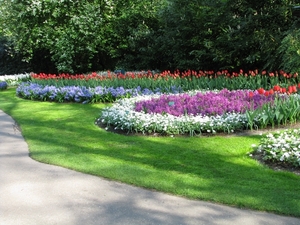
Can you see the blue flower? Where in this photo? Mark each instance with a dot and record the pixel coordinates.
(82, 94)
(3, 85)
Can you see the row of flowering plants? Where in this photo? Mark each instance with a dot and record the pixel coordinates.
(80, 94)
(275, 109)
(186, 80)
(198, 113)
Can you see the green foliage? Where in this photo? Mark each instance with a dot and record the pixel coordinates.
(290, 51)
(91, 35)
(133, 36)
(70, 31)
(187, 35)
(251, 33)
(222, 34)
(284, 111)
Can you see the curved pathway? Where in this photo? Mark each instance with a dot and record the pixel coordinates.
(36, 193)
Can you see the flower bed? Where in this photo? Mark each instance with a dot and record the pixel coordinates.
(128, 115)
(281, 147)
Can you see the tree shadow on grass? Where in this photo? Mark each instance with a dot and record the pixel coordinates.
(189, 167)
(247, 185)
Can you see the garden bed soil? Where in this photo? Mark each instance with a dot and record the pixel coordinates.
(277, 166)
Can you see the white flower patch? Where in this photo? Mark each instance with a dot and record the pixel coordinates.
(281, 146)
(14, 77)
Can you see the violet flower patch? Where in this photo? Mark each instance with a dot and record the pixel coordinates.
(205, 104)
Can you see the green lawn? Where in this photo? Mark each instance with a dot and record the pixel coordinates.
(215, 169)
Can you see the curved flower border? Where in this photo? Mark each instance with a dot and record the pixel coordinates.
(122, 116)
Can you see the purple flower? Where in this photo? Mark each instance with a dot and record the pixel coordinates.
(206, 104)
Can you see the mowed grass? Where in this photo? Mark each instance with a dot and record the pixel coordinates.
(216, 169)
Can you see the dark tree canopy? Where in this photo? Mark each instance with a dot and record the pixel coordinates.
(81, 36)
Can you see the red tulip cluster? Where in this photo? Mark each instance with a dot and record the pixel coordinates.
(277, 89)
(165, 75)
(65, 76)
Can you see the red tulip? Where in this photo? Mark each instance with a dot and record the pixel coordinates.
(251, 94)
(276, 88)
(271, 74)
(261, 91)
(267, 93)
(294, 87)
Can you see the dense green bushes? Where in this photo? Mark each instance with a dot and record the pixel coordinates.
(81, 36)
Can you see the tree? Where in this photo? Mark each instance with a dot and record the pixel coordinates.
(10, 61)
(132, 29)
(189, 28)
(255, 32)
(80, 36)
(228, 34)
(70, 33)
